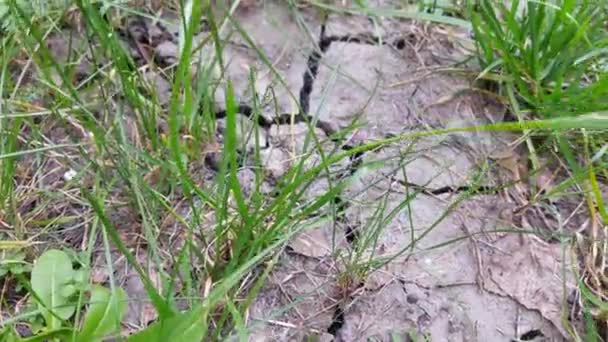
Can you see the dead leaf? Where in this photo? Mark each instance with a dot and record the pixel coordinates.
(153, 176)
(544, 178)
(509, 160)
(99, 275)
(140, 311)
(511, 164)
(317, 243)
(529, 272)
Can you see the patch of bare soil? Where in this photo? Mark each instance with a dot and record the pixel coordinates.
(455, 270)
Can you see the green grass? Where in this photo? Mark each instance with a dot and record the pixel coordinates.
(548, 65)
(551, 53)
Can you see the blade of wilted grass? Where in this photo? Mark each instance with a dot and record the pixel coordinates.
(14, 154)
(392, 13)
(245, 233)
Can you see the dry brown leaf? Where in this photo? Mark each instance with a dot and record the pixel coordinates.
(510, 160)
(528, 271)
(511, 164)
(99, 275)
(317, 242)
(544, 178)
(140, 311)
(153, 176)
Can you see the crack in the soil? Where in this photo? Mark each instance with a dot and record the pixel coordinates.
(530, 335)
(350, 233)
(281, 119)
(355, 160)
(314, 59)
(312, 68)
(308, 79)
(337, 321)
(448, 189)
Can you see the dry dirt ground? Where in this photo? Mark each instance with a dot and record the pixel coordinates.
(488, 287)
(454, 273)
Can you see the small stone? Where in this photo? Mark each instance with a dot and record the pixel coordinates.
(68, 175)
(412, 299)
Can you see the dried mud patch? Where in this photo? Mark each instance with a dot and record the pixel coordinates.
(298, 301)
(402, 308)
(443, 244)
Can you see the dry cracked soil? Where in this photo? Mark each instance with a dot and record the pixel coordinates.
(453, 270)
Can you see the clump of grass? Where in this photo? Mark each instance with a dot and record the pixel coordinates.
(552, 53)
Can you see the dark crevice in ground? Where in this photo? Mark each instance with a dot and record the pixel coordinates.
(314, 59)
(281, 119)
(310, 74)
(367, 39)
(475, 189)
(355, 160)
(337, 321)
(350, 232)
(308, 78)
(448, 189)
(531, 335)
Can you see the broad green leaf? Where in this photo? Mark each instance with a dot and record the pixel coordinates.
(68, 290)
(8, 334)
(104, 315)
(51, 275)
(183, 327)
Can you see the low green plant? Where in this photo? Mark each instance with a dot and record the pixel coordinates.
(104, 314)
(55, 283)
(595, 312)
(12, 262)
(55, 287)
